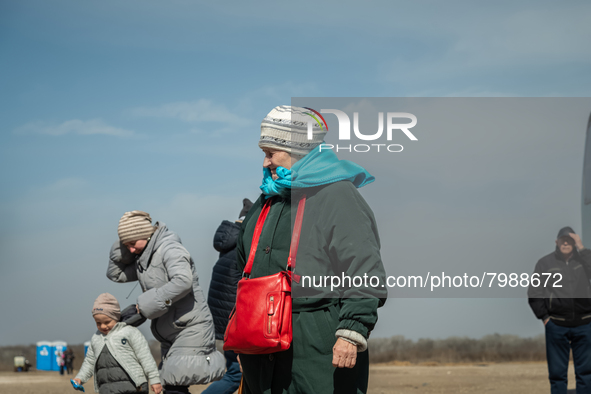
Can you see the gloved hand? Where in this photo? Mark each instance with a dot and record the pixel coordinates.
(132, 317)
(126, 256)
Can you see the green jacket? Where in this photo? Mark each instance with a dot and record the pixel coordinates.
(339, 237)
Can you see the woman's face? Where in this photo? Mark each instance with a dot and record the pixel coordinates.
(104, 323)
(136, 247)
(276, 158)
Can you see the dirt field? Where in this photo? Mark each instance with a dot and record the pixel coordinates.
(505, 378)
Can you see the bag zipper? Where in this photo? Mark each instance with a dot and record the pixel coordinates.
(270, 313)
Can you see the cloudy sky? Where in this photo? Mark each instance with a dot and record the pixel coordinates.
(112, 106)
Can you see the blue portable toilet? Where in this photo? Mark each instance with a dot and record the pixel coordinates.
(86, 345)
(57, 347)
(44, 356)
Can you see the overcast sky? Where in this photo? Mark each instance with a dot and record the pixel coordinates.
(111, 106)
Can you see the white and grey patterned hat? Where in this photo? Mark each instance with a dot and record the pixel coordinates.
(286, 128)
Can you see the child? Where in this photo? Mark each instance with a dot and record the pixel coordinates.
(118, 355)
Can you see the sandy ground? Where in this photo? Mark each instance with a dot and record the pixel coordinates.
(505, 378)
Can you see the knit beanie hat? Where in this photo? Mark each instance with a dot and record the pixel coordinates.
(107, 305)
(135, 225)
(286, 128)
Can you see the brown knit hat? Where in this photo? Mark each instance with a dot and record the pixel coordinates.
(135, 225)
(107, 305)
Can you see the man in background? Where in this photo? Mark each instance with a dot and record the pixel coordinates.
(560, 295)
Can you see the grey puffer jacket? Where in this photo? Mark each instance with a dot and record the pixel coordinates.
(173, 300)
(129, 348)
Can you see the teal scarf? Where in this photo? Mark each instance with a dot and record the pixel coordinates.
(315, 169)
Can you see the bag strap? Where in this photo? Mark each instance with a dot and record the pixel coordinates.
(255, 238)
(295, 238)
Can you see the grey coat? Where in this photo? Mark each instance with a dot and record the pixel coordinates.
(173, 300)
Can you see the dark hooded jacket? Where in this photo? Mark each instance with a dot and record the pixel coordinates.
(225, 276)
(565, 294)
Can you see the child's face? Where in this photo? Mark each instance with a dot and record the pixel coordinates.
(104, 323)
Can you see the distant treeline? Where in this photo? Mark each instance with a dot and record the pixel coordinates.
(7, 354)
(491, 348)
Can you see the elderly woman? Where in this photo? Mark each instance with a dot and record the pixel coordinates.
(339, 236)
(171, 298)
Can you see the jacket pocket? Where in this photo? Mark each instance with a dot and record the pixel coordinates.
(327, 327)
(179, 324)
(559, 308)
(183, 312)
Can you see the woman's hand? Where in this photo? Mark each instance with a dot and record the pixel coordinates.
(157, 388)
(78, 381)
(344, 354)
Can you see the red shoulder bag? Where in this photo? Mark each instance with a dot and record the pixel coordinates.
(261, 320)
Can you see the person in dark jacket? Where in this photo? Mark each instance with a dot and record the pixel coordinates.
(339, 236)
(222, 296)
(69, 359)
(560, 295)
